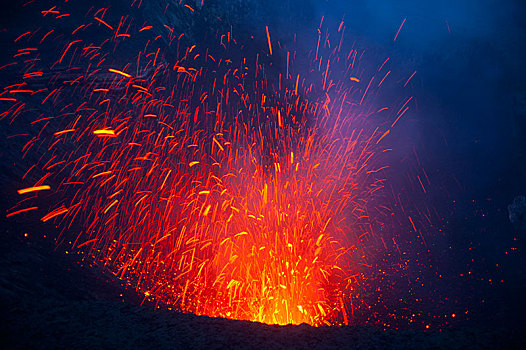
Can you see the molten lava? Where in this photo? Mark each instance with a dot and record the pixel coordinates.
(206, 176)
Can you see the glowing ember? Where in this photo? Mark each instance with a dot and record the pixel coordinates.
(204, 176)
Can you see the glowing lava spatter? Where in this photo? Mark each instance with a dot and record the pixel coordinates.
(206, 177)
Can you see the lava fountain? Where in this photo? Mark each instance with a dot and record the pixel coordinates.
(214, 177)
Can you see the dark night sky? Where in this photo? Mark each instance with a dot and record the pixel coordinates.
(468, 77)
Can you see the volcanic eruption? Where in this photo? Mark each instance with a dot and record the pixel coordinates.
(217, 177)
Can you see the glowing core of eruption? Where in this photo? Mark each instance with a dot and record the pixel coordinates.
(205, 177)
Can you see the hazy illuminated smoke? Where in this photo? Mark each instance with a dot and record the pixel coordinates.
(214, 178)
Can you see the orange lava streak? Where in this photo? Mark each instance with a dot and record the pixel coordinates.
(269, 42)
(54, 213)
(20, 211)
(104, 132)
(119, 72)
(33, 189)
(103, 22)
